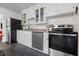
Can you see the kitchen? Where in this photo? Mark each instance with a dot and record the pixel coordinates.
(38, 22)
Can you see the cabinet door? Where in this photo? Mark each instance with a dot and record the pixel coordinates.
(24, 37)
(24, 17)
(31, 15)
(45, 43)
(30, 12)
(50, 9)
(40, 13)
(65, 8)
(28, 38)
(20, 37)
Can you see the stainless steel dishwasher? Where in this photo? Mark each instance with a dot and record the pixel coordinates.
(37, 40)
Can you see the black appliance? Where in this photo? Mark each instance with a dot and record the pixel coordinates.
(37, 40)
(15, 25)
(12, 26)
(64, 39)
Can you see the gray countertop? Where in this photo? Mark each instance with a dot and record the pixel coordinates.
(35, 30)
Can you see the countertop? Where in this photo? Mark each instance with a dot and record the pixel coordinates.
(36, 30)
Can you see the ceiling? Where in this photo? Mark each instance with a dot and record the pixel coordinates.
(17, 7)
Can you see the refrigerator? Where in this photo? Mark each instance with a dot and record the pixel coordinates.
(12, 25)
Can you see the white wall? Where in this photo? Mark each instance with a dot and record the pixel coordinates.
(9, 14)
(3, 21)
(4, 14)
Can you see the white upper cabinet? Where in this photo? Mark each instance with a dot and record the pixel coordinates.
(23, 17)
(37, 14)
(40, 13)
(31, 15)
(50, 9)
(30, 12)
(65, 8)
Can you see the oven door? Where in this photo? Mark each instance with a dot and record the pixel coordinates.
(63, 42)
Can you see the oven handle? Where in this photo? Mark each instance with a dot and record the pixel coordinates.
(63, 34)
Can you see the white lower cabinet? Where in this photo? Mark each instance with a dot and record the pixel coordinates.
(24, 37)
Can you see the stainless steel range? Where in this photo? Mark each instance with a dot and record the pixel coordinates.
(62, 38)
